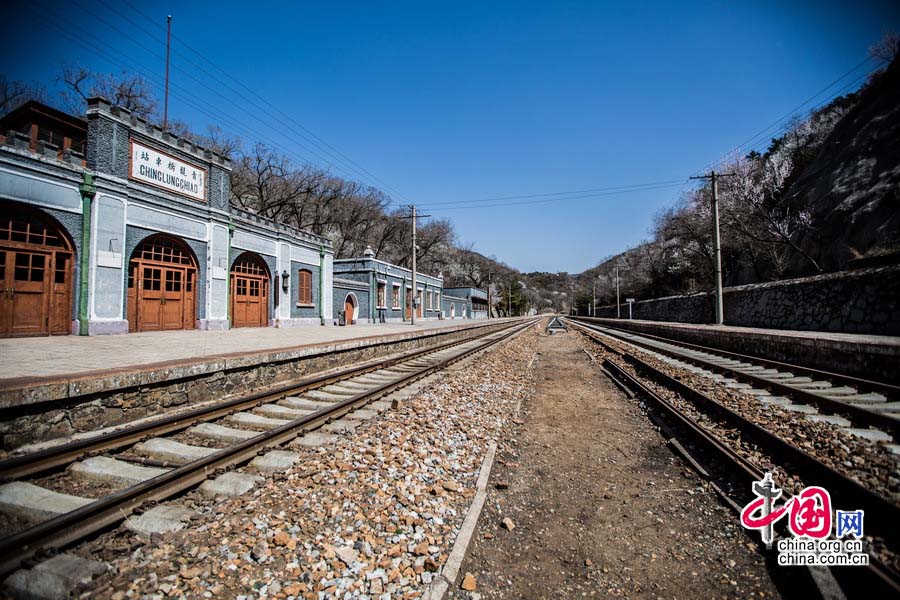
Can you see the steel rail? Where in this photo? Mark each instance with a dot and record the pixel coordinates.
(91, 518)
(884, 512)
(859, 414)
(23, 465)
(885, 579)
(888, 389)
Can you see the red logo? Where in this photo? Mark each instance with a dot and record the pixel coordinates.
(810, 511)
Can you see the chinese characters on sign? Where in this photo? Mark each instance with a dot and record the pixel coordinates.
(154, 167)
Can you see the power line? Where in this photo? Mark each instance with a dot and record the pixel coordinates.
(219, 116)
(785, 120)
(546, 200)
(549, 194)
(305, 132)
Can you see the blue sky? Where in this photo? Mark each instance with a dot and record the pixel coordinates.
(468, 101)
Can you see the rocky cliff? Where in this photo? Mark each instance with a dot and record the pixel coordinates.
(853, 184)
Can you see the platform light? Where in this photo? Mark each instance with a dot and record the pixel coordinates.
(284, 280)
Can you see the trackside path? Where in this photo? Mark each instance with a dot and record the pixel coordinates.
(600, 505)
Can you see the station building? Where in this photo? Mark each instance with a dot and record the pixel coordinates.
(374, 291)
(465, 303)
(108, 224)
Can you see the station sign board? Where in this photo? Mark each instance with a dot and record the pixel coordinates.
(167, 172)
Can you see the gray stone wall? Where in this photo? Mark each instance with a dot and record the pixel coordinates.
(340, 294)
(863, 301)
(219, 188)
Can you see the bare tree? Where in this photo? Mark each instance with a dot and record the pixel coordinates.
(886, 49)
(14, 94)
(126, 90)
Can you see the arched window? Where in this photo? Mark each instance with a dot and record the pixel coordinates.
(304, 282)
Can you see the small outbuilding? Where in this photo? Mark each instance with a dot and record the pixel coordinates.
(465, 303)
(380, 292)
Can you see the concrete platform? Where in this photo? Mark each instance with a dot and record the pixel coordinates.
(76, 362)
(34, 503)
(63, 386)
(868, 356)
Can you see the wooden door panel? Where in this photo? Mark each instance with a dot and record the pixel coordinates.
(172, 298)
(249, 301)
(30, 300)
(5, 295)
(150, 298)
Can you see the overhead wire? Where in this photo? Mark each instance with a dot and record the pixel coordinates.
(547, 200)
(298, 128)
(184, 96)
(549, 194)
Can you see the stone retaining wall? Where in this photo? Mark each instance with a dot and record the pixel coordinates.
(864, 301)
(49, 409)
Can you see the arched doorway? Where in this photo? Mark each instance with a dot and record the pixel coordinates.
(452, 311)
(350, 305)
(36, 273)
(162, 276)
(249, 291)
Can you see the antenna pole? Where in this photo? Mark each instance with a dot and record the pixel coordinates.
(168, 46)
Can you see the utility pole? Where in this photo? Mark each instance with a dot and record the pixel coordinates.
(168, 45)
(490, 306)
(509, 299)
(717, 245)
(593, 311)
(618, 306)
(412, 215)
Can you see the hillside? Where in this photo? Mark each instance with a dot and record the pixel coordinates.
(853, 185)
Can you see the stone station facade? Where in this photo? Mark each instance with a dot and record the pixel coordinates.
(111, 225)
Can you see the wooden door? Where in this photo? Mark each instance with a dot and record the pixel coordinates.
(420, 305)
(35, 274)
(172, 305)
(409, 303)
(161, 277)
(348, 310)
(249, 292)
(26, 292)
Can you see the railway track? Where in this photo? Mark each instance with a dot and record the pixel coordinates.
(731, 441)
(860, 407)
(157, 467)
